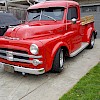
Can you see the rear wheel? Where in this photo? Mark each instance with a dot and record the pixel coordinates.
(58, 62)
(92, 42)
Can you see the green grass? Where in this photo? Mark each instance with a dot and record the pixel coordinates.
(88, 88)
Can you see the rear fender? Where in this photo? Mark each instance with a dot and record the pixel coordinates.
(89, 33)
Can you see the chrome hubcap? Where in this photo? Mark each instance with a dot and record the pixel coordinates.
(92, 40)
(61, 59)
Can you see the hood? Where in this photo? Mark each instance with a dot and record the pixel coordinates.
(27, 31)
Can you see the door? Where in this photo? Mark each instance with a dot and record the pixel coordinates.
(74, 28)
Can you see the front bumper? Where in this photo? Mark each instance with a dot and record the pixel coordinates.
(27, 70)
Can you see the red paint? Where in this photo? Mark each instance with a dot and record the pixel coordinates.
(48, 35)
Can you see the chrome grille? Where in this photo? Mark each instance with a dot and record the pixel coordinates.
(15, 53)
(18, 56)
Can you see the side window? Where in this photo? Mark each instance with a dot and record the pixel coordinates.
(72, 13)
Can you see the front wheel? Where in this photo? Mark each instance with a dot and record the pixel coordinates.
(92, 42)
(58, 62)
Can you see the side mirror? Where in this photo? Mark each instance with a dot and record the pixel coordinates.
(74, 20)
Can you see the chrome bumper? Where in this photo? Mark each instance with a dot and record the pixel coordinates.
(27, 70)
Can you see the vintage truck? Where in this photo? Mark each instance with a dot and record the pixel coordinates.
(52, 32)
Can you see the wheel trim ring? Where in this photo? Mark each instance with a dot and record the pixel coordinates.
(61, 59)
(92, 40)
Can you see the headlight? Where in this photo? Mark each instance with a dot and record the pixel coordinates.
(34, 49)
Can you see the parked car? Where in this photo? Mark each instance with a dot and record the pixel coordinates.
(6, 20)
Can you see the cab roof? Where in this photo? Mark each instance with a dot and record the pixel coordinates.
(48, 4)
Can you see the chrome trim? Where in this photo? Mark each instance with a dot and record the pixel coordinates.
(26, 70)
(29, 70)
(21, 54)
(15, 59)
(3, 57)
(83, 46)
(20, 60)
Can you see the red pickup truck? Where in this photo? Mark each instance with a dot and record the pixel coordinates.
(52, 32)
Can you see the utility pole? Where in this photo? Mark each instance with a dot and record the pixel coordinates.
(6, 5)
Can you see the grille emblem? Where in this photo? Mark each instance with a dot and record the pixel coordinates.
(9, 55)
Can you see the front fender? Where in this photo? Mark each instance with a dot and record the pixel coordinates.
(50, 55)
(55, 49)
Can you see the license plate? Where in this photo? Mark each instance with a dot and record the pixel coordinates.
(9, 68)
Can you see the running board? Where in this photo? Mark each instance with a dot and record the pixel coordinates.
(84, 45)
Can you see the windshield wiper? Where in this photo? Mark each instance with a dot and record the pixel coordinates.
(36, 16)
(49, 17)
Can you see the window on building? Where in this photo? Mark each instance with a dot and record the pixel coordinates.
(89, 9)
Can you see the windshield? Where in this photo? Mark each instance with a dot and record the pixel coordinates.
(52, 13)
